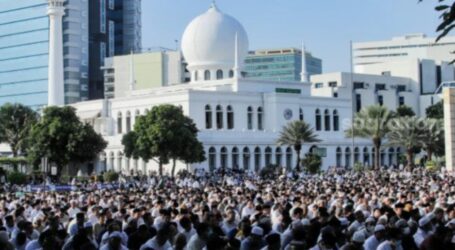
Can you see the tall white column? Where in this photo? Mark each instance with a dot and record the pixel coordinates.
(55, 10)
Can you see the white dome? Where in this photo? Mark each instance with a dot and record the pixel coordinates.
(209, 41)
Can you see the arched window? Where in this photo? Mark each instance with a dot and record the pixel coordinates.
(326, 120)
(235, 158)
(260, 119)
(382, 157)
(219, 74)
(301, 114)
(119, 123)
(212, 159)
(128, 121)
(288, 158)
(137, 113)
(366, 156)
(224, 155)
(336, 121)
(230, 117)
(373, 153)
(111, 161)
(119, 161)
(318, 119)
(207, 75)
(196, 75)
(219, 117)
(391, 155)
(338, 158)
(268, 156)
(250, 118)
(257, 159)
(231, 73)
(246, 158)
(356, 154)
(278, 156)
(208, 117)
(347, 157)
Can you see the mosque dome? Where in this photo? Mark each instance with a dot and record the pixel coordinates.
(208, 43)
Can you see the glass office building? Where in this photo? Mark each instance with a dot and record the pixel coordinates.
(280, 64)
(24, 42)
(92, 30)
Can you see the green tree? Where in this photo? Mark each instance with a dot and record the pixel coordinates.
(404, 110)
(16, 121)
(406, 132)
(164, 134)
(312, 163)
(435, 111)
(433, 137)
(371, 123)
(63, 138)
(295, 134)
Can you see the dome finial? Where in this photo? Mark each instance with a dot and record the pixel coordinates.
(213, 5)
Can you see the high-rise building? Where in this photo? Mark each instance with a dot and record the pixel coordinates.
(104, 28)
(412, 46)
(280, 64)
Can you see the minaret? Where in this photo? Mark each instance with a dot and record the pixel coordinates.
(56, 95)
(304, 77)
(132, 78)
(237, 73)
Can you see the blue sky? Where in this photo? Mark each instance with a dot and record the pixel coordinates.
(325, 26)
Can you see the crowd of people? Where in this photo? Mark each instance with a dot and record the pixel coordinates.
(384, 209)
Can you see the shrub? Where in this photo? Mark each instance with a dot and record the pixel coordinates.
(269, 171)
(358, 167)
(110, 176)
(17, 178)
(312, 163)
(431, 166)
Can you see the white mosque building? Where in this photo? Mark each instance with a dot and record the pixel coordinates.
(240, 119)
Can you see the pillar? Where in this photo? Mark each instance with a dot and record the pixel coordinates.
(449, 126)
(56, 95)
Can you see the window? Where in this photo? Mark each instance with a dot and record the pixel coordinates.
(356, 154)
(391, 154)
(119, 161)
(250, 118)
(103, 16)
(379, 86)
(400, 100)
(380, 100)
(230, 117)
(235, 158)
(332, 84)
(246, 158)
(318, 85)
(366, 156)
(327, 120)
(219, 117)
(219, 74)
(338, 157)
(212, 159)
(318, 120)
(278, 156)
(359, 85)
(196, 76)
(257, 159)
(223, 158)
(231, 73)
(208, 117)
(102, 52)
(358, 102)
(336, 122)
(128, 121)
(111, 38)
(207, 75)
(268, 156)
(438, 75)
(301, 114)
(119, 123)
(347, 157)
(260, 119)
(111, 4)
(288, 158)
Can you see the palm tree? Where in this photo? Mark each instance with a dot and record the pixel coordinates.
(433, 139)
(295, 134)
(371, 123)
(407, 132)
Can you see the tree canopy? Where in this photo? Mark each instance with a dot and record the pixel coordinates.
(404, 110)
(63, 138)
(16, 121)
(164, 133)
(295, 134)
(435, 111)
